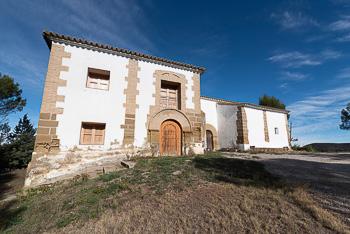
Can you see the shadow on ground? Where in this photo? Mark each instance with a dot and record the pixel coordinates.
(11, 182)
(329, 182)
(5, 187)
(332, 177)
(10, 214)
(332, 156)
(236, 171)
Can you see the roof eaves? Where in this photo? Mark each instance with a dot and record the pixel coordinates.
(244, 104)
(60, 38)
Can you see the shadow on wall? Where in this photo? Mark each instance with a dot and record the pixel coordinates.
(237, 171)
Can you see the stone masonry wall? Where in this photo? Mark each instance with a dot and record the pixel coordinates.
(242, 127)
(266, 129)
(130, 105)
(46, 138)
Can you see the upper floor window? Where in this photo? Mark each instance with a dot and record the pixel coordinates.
(98, 79)
(276, 131)
(92, 133)
(170, 95)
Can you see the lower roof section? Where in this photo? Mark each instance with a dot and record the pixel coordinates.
(244, 104)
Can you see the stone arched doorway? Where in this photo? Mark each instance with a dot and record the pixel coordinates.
(170, 138)
(210, 140)
(211, 137)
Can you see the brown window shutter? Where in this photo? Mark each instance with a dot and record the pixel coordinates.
(92, 134)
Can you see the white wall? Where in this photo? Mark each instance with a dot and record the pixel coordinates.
(83, 104)
(227, 125)
(209, 108)
(256, 134)
(277, 120)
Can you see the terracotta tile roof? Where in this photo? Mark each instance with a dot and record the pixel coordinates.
(245, 104)
(60, 38)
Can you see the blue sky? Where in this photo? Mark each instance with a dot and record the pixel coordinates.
(298, 51)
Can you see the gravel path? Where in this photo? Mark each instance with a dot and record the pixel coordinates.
(327, 175)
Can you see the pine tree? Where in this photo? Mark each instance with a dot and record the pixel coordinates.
(21, 143)
(271, 101)
(5, 130)
(11, 99)
(345, 118)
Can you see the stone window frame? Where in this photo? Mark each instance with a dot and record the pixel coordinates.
(163, 75)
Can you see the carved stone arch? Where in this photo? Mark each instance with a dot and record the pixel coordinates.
(169, 114)
(215, 135)
(169, 74)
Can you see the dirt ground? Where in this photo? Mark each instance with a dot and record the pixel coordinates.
(326, 174)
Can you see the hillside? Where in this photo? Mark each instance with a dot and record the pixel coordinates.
(329, 147)
(171, 194)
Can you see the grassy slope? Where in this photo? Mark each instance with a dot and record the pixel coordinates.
(208, 193)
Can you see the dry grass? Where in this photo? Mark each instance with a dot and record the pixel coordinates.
(330, 221)
(211, 194)
(213, 208)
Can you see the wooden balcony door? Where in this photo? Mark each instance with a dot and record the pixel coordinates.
(170, 138)
(169, 95)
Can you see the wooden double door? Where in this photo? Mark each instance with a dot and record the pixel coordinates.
(170, 138)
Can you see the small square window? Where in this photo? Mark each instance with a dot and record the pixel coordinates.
(98, 79)
(276, 131)
(92, 133)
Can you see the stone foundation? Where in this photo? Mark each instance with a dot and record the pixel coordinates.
(269, 150)
(52, 167)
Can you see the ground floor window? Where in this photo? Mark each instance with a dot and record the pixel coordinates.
(92, 133)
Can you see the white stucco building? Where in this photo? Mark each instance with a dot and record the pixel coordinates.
(245, 126)
(106, 99)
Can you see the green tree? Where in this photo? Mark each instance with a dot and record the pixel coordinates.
(271, 101)
(11, 99)
(5, 130)
(4, 147)
(21, 143)
(345, 118)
